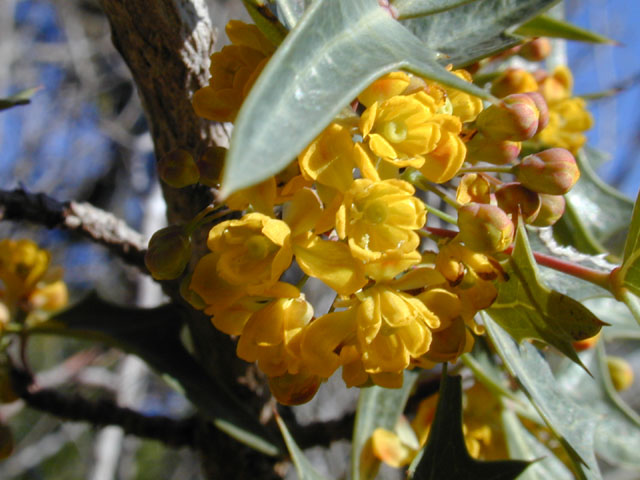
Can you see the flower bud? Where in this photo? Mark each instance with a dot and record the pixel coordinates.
(515, 118)
(290, 389)
(586, 344)
(551, 210)
(473, 187)
(543, 108)
(210, 166)
(498, 152)
(178, 169)
(515, 199)
(484, 228)
(553, 171)
(536, 50)
(168, 253)
(513, 80)
(621, 372)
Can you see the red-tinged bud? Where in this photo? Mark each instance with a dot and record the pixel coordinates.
(536, 50)
(210, 165)
(553, 171)
(498, 152)
(543, 108)
(551, 210)
(6, 441)
(484, 228)
(168, 253)
(514, 199)
(178, 169)
(515, 118)
(586, 344)
(296, 389)
(621, 372)
(513, 80)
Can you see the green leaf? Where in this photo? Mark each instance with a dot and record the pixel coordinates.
(632, 243)
(336, 50)
(598, 216)
(470, 32)
(303, 467)
(20, 98)
(266, 21)
(154, 335)
(617, 432)
(622, 324)
(445, 456)
(292, 10)
(570, 423)
(527, 309)
(417, 8)
(377, 408)
(522, 444)
(546, 26)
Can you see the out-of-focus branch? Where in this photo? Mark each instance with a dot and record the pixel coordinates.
(92, 223)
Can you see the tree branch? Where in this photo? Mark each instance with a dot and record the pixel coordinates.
(92, 223)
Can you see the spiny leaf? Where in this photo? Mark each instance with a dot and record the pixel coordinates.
(20, 98)
(622, 324)
(527, 309)
(154, 335)
(470, 32)
(417, 8)
(336, 50)
(303, 467)
(445, 455)
(377, 408)
(546, 26)
(570, 423)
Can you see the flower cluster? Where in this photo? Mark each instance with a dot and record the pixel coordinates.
(346, 213)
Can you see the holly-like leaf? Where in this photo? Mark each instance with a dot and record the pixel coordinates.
(154, 335)
(546, 26)
(20, 98)
(303, 467)
(622, 324)
(617, 431)
(569, 422)
(469, 32)
(377, 408)
(527, 309)
(336, 50)
(445, 456)
(418, 8)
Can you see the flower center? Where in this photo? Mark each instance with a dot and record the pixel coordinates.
(259, 247)
(395, 132)
(376, 212)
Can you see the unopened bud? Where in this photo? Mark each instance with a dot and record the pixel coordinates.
(516, 199)
(586, 344)
(553, 171)
(168, 253)
(290, 389)
(498, 152)
(536, 50)
(178, 169)
(620, 372)
(551, 210)
(513, 80)
(210, 165)
(543, 108)
(515, 118)
(484, 228)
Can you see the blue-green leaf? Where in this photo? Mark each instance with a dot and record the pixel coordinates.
(377, 408)
(336, 50)
(417, 8)
(292, 10)
(570, 423)
(303, 467)
(546, 26)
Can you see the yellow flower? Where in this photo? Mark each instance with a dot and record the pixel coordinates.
(380, 217)
(465, 106)
(385, 87)
(233, 71)
(253, 251)
(568, 119)
(258, 198)
(400, 130)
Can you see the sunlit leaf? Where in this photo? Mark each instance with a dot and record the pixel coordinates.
(523, 444)
(470, 32)
(335, 51)
(154, 335)
(546, 26)
(377, 408)
(570, 423)
(20, 98)
(445, 456)
(416, 8)
(527, 309)
(303, 467)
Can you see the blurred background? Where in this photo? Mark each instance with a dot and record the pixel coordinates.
(84, 137)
